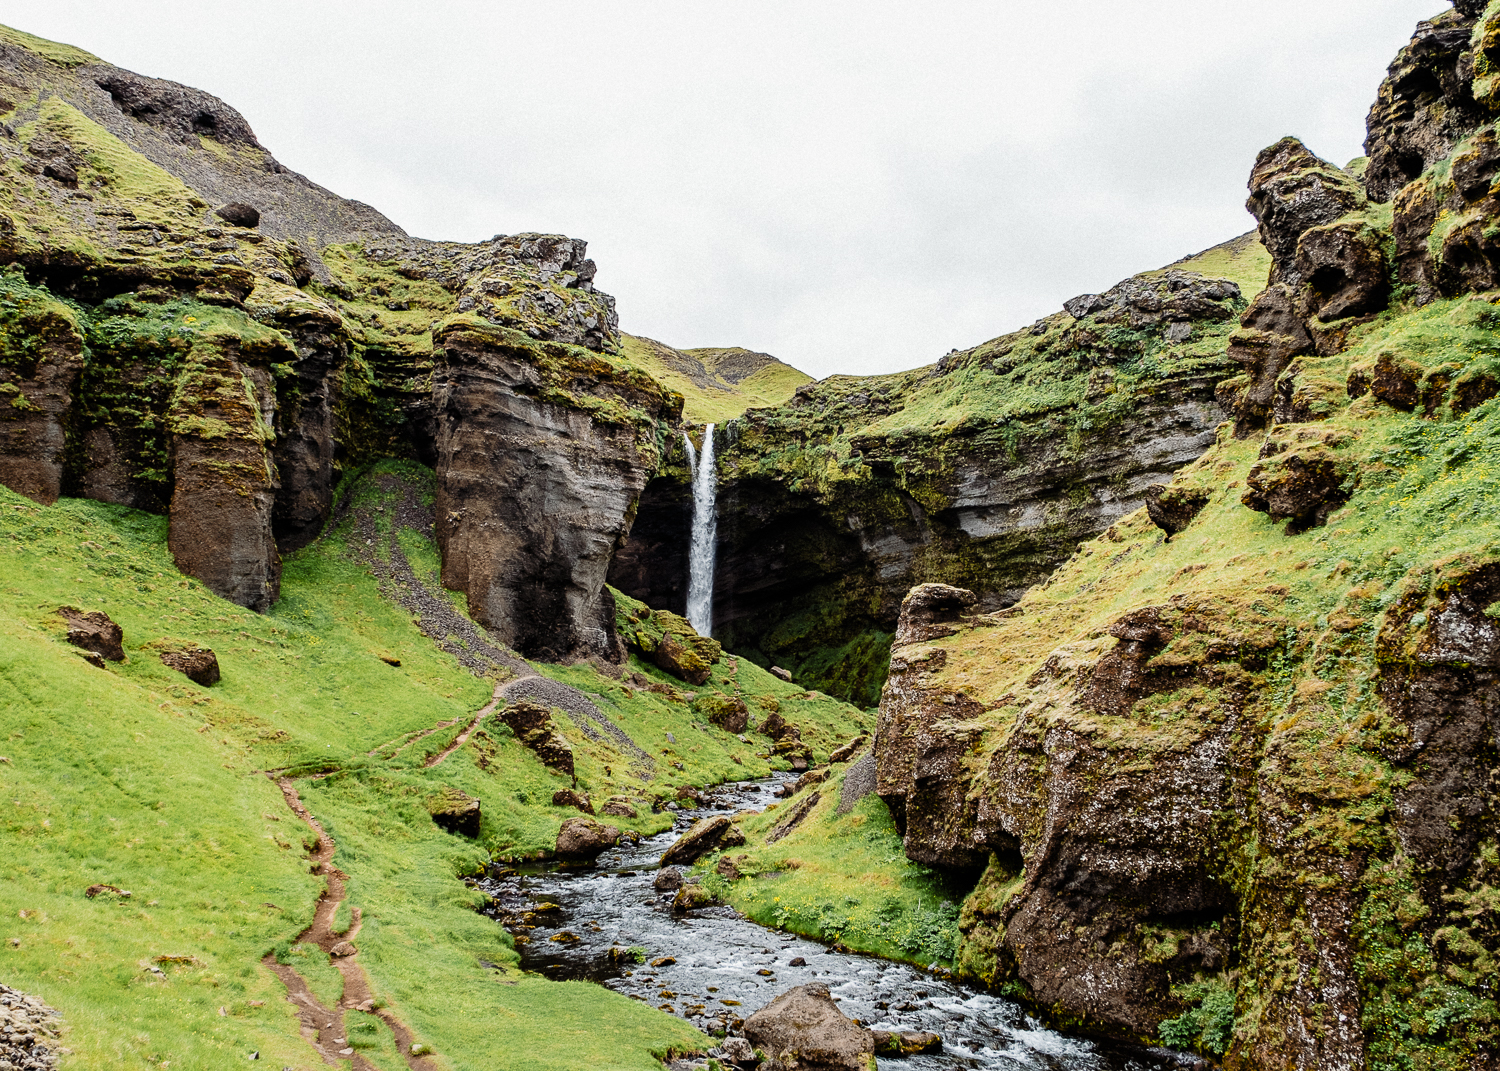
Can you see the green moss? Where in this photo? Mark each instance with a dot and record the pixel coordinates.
(54, 51)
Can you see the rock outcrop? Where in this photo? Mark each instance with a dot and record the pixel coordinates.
(702, 837)
(93, 631)
(532, 724)
(456, 811)
(198, 664)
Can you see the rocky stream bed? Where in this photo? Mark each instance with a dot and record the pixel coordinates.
(714, 967)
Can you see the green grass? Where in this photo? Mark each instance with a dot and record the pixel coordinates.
(1242, 260)
(136, 777)
(60, 54)
(708, 397)
(843, 878)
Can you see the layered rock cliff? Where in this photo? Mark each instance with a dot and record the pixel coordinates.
(1231, 772)
(985, 469)
(189, 327)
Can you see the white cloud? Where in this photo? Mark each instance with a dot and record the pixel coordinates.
(852, 186)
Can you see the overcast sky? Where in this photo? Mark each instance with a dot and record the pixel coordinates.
(851, 186)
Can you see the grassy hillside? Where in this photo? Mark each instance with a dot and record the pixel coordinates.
(132, 776)
(716, 384)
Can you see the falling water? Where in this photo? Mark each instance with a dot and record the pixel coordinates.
(700, 600)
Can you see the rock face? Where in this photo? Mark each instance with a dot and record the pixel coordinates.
(200, 665)
(241, 356)
(538, 470)
(584, 839)
(831, 506)
(94, 631)
(803, 1030)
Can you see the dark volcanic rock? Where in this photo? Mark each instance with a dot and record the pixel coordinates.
(94, 631)
(803, 1030)
(668, 879)
(532, 724)
(534, 489)
(455, 811)
(585, 839)
(1172, 509)
(239, 215)
(199, 665)
(703, 836)
(1291, 192)
(567, 797)
(1426, 104)
(1301, 479)
(37, 388)
(931, 612)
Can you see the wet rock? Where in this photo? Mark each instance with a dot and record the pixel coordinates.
(1172, 509)
(907, 1043)
(585, 839)
(680, 660)
(199, 665)
(668, 878)
(845, 752)
(568, 797)
(704, 836)
(738, 1051)
(238, 214)
(803, 1030)
(532, 724)
(455, 811)
(692, 897)
(727, 712)
(94, 631)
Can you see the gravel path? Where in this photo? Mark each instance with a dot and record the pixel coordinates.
(478, 651)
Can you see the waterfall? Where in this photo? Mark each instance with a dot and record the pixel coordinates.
(704, 545)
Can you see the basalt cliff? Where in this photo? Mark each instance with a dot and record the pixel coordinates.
(1231, 773)
(1178, 605)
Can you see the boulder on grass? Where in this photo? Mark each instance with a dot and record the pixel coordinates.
(199, 665)
(532, 724)
(680, 660)
(726, 711)
(570, 797)
(94, 631)
(804, 1029)
(584, 839)
(619, 807)
(457, 812)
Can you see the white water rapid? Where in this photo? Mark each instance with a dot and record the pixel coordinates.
(700, 600)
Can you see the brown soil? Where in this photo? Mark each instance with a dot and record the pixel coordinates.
(323, 1027)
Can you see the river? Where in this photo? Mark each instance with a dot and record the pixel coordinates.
(721, 965)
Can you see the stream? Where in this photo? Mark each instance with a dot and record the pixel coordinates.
(719, 966)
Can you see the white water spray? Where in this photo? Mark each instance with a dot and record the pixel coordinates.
(704, 545)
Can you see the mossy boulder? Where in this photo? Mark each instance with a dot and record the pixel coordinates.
(727, 712)
(455, 811)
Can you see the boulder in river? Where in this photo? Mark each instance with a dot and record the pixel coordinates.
(702, 837)
(668, 878)
(691, 896)
(907, 1043)
(584, 839)
(803, 1029)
